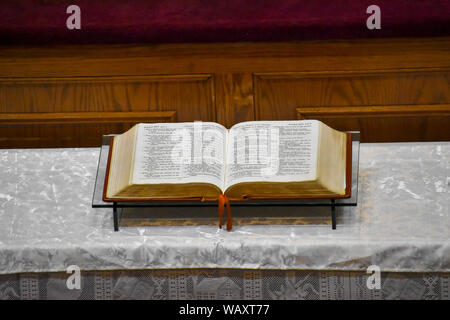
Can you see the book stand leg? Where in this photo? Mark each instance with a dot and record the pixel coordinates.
(333, 215)
(117, 214)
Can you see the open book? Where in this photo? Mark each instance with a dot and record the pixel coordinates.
(251, 160)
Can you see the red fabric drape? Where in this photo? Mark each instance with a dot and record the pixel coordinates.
(151, 21)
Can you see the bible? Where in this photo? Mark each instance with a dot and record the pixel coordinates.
(204, 161)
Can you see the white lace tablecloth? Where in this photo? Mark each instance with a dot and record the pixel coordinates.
(401, 223)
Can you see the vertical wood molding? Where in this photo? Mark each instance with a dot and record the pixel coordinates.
(234, 98)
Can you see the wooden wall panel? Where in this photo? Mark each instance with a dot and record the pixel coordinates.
(386, 123)
(58, 96)
(385, 105)
(30, 130)
(68, 111)
(224, 58)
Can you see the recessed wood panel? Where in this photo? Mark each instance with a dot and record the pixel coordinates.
(389, 105)
(83, 129)
(76, 111)
(386, 123)
(189, 95)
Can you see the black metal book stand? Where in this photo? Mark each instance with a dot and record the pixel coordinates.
(201, 210)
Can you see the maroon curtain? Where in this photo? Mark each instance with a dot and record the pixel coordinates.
(152, 21)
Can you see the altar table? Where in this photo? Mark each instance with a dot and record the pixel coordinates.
(401, 226)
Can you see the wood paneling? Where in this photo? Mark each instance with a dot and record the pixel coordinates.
(85, 117)
(385, 105)
(84, 129)
(37, 136)
(236, 98)
(81, 109)
(397, 111)
(386, 123)
(113, 60)
(190, 95)
(390, 89)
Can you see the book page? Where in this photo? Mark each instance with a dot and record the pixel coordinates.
(180, 153)
(274, 151)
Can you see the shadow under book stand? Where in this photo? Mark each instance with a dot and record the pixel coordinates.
(211, 206)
